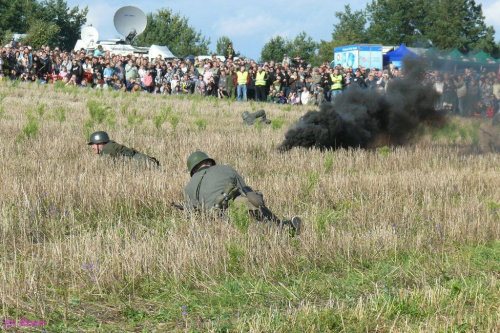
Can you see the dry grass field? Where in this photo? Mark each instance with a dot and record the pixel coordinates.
(396, 239)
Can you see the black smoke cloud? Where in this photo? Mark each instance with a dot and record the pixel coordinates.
(362, 118)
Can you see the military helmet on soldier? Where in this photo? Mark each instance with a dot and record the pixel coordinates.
(99, 137)
(245, 115)
(196, 158)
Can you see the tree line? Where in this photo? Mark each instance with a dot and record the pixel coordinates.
(442, 24)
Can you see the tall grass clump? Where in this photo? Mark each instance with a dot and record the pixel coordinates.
(201, 124)
(40, 109)
(161, 118)
(133, 119)
(174, 121)
(277, 123)
(60, 114)
(30, 130)
(329, 159)
(237, 213)
(100, 113)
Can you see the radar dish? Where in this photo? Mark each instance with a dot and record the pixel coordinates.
(89, 36)
(130, 20)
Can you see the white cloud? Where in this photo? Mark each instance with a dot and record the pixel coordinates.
(491, 13)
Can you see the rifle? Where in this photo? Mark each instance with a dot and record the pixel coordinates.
(179, 207)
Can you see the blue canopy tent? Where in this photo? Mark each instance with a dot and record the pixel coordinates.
(396, 56)
(190, 58)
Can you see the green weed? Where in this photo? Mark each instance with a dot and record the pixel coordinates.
(201, 124)
(258, 124)
(133, 119)
(174, 121)
(161, 118)
(41, 109)
(15, 83)
(473, 132)
(384, 151)
(59, 85)
(238, 214)
(98, 111)
(60, 114)
(328, 164)
(236, 257)
(124, 108)
(494, 208)
(30, 130)
(312, 182)
(277, 123)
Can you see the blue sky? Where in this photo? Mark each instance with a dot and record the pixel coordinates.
(249, 24)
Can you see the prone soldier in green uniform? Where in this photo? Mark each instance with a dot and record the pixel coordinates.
(212, 187)
(250, 118)
(104, 146)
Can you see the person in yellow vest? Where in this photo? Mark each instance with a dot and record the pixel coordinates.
(260, 84)
(241, 80)
(336, 87)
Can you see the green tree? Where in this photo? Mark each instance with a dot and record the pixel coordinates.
(324, 54)
(222, 43)
(393, 22)
(275, 49)
(172, 30)
(464, 24)
(303, 46)
(68, 20)
(444, 24)
(42, 33)
(351, 28)
(27, 16)
(13, 16)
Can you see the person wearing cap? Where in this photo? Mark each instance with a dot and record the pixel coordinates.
(213, 188)
(251, 118)
(102, 145)
(229, 53)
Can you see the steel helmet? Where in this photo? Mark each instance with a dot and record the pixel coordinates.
(196, 158)
(245, 115)
(99, 137)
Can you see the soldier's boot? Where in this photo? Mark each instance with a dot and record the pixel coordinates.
(295, 225)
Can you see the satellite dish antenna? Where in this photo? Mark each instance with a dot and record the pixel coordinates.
(130, 21)
(89, 36)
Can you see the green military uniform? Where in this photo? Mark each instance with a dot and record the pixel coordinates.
(207, 184)
(250, 118)
(211, 187)
(115, 150)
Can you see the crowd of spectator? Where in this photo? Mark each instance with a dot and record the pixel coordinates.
(467, 93)
(289, 81)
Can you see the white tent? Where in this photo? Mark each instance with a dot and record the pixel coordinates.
(157, 50)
